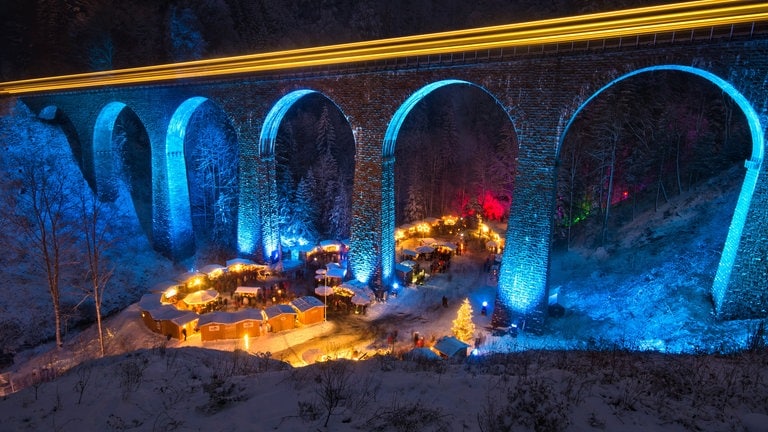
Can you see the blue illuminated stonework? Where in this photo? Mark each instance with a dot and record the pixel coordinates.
(542, 91)
(179, 214)
(104, 157)
(745, 294)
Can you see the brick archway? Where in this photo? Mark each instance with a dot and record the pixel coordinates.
(388, 168)
(722, 278)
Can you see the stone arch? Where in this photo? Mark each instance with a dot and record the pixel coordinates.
(179, 212)
(387, 246)
(105, 181)
(267, 195)
(130, 164)
(753, 166)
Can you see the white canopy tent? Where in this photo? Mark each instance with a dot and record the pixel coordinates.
(324, 290)
(247, 290)
(201, 297)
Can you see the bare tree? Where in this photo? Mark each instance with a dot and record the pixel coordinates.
(96, 241)
(334, 385)
(41, 211)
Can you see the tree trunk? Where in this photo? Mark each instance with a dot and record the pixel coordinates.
(572, 186)
(97, 302)
(57, 321)
(677, 167)
(660, 185)
(612, 167)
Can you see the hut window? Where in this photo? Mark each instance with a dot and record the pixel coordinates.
(247, 325)
(213, 328)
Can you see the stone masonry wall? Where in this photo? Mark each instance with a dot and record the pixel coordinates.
(540, 93)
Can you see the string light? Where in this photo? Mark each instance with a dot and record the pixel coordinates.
(605, 25)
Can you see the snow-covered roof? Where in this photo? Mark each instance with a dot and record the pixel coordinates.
(164, 285)
(241, 261)
(189, 275)
(420, 353)
(450, 346)
(402, 268)
(336, 272)
(306, 303)
(446, 244)
(150, 301)
(247, 290)
(212, 268)
(184, 317)
(277, 310)
(170, 313)
(246, 314)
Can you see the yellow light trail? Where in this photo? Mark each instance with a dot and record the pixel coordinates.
(606, 25)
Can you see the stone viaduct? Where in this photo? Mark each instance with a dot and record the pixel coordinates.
(541, 89)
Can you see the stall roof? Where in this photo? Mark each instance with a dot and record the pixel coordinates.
(247, 290)
(277, 310)
(170, 313)
(241, 261)
(184, 277)
(246, 314)
(421, 353)
(211, 268)
(306, 303)
(335, 272)
(164, 285)
(449, 346)
(150, 301)
(329, 243)
(402, 268)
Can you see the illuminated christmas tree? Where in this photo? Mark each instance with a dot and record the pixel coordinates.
(463, 327)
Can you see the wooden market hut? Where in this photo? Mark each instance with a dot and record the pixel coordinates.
(230, 325)
(450, 347)
(248, 294)
(280, 317)
(404, 273)
(169, 321)
(309, 309)
(201, 300)
(334, 274)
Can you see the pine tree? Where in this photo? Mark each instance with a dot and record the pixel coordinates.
(414, 208)
(463, 327)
